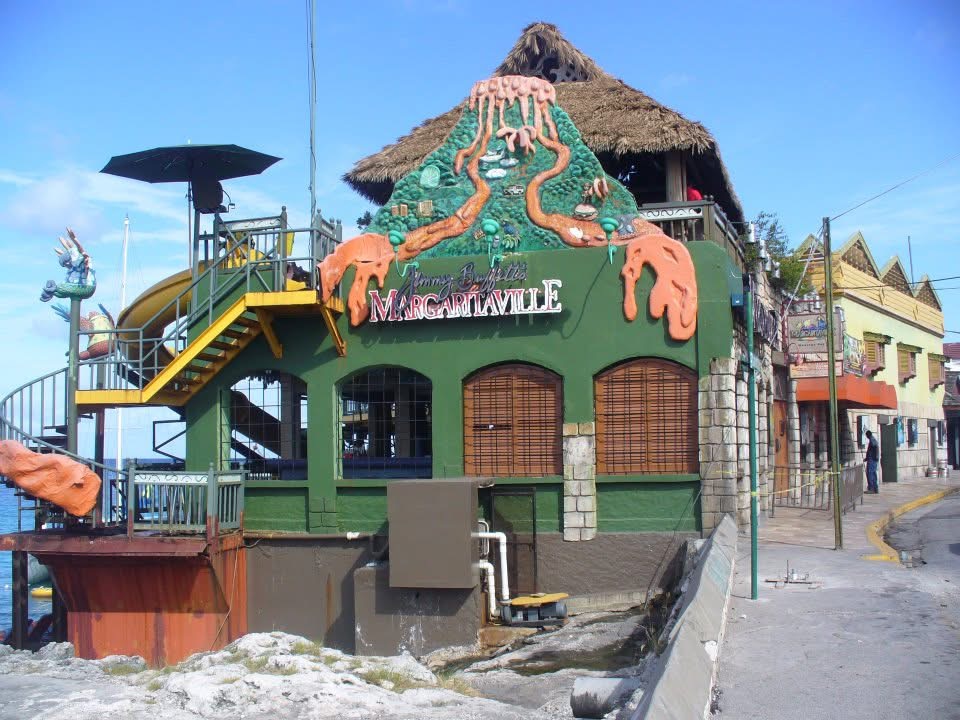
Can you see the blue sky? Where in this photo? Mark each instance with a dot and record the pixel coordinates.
(816, 106)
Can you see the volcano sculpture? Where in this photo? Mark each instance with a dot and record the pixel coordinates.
(514, 176)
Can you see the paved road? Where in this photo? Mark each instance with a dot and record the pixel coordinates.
(932, 534)
(875, 641)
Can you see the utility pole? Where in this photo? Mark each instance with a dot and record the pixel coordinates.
(832, 382)
(752, 415)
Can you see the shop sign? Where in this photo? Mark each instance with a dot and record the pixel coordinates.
(853, 357)
(466, 294)
(813, 365)
(807, 333)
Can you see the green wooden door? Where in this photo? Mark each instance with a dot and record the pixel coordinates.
(888, 452)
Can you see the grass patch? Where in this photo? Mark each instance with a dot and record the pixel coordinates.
(302, 647)
(233, 657)
(256, 664)
(330, 660)
(154, 685)
(229, 680)
(283, 670)
(457, 685)
(122, 669)
(401, 683)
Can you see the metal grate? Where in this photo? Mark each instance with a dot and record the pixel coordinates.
(268, 426)
(386, 426)
(513, 422)
(646, 415)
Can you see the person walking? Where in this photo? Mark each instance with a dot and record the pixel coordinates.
(873, 459)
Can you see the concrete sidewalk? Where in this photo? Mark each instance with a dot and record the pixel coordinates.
(868, 639)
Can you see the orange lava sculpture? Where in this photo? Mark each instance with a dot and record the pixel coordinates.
(675, 290)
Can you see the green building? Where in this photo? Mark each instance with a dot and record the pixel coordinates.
(535, 313)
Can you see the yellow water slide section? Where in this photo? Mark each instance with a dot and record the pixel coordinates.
(145, 312)
(155, 308)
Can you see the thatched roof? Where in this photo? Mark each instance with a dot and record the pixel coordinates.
(613, 118)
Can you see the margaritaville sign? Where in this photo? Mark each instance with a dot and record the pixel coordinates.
(467, 294)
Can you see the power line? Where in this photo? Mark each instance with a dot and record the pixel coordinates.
(918, 282)
(898, 185)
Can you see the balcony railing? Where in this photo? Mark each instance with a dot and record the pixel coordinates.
(698, 220)
(241, 256)
(184, 502)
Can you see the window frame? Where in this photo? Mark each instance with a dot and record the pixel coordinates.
(906, 371)
(517, 430)
(620, 454)
(406, 377)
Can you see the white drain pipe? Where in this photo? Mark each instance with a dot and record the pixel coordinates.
(491, 589)
(504, 582)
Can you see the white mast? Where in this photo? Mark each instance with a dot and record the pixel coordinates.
(312, 92)
(123, 304)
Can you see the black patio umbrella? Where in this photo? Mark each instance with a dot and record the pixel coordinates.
(189, 163)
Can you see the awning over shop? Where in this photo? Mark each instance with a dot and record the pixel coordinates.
(853, 390)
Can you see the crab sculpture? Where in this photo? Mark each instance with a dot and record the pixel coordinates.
(80, 281)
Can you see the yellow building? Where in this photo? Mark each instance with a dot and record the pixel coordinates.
(891, 377)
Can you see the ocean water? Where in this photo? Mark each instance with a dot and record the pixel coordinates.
(8, 523)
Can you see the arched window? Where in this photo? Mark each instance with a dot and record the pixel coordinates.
(646, 418)
(513, 422)
(385, 424)
(267, 433)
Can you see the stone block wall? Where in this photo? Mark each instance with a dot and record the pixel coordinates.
(724, 426)
(579, 481)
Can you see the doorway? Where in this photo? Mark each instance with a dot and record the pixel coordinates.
(888, 452)
(781, 450)
(513, 510)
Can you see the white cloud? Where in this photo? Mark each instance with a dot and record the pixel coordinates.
(40, 205)
(10, 177)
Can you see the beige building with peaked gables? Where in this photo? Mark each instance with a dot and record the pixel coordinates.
(891, 376)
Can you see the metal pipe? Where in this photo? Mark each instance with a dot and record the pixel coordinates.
(832, 387)
(752, 425)
(491, 588)
(504, 581)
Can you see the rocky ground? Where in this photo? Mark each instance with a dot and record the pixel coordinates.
(277, 676)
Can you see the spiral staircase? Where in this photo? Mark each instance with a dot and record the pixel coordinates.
(231, 300)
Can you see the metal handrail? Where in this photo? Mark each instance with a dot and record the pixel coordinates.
(245, 262)
(40, 404)
(24, 417)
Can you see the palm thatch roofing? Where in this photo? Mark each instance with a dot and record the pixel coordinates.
(616, 121)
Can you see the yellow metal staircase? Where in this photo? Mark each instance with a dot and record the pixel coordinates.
(251, 315)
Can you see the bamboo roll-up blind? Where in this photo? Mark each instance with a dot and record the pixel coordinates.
(512, 422)
(646, 419)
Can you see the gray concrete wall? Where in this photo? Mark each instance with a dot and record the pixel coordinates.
(610, 563)
(390, 621)
(304, 587)
(680, 683)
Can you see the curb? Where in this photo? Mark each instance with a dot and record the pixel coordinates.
(876, 529)
(681, 680)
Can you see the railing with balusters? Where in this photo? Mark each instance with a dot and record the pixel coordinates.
(696, 220)
(183, 502)
(259, 259)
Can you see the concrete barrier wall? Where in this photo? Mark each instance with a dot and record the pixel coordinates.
(681, 681)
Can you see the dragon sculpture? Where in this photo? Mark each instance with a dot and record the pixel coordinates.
(81, 280)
